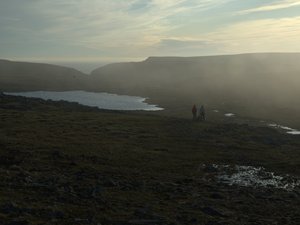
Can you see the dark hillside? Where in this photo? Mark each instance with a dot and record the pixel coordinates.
(21, 76)
(256, 85)
(261, 86)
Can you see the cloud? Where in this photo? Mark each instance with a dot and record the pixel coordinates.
(274, 6)
(266, 35)
(182, 47)
(177, 43)
(103, 24)
(139, 5)
(139, 28)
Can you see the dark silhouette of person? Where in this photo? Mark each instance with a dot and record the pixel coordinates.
(202, 113)
(194, 112)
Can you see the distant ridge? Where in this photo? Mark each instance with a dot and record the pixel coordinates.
(261, 85)
(254, 84)
(262, 54)
(25, 76)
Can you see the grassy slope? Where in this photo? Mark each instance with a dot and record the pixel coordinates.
(67, 164)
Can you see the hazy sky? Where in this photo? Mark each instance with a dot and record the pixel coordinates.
(122, 30)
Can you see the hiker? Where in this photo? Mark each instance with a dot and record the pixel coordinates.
(201, 114)
(194, 111)
(198, 116)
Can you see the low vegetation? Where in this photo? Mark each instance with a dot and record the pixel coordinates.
(62, 163)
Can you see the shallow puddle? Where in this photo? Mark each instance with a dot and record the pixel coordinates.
(250, 176)
(229, 114)
(287, 129)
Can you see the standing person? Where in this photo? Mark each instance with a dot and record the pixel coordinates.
(194, 112)
(199, 115)
(202, 113)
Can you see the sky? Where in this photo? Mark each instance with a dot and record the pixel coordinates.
(132, 30)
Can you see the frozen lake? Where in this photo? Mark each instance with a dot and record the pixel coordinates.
(100, 100)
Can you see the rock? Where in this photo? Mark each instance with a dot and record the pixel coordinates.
(193, 221)
(15, 168)
(211, 212)
(110, 183)
(209, 169)
(143, 213)
(185, 181)
(213, 223)
(81, 221)
(145, 222)
(18, 222)
(216, 196)
(56, 215)
(146, 214)
(97, 191)
(9, 208)
(56, 154)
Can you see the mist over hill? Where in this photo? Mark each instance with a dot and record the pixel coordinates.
(265, 86)
(259, 85)
(23, 76)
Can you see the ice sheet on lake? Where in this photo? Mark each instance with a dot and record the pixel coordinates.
(250, 176)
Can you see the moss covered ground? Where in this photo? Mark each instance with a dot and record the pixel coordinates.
(62, 163)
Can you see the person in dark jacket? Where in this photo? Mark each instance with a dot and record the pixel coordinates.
(194, 112)
(202, 113)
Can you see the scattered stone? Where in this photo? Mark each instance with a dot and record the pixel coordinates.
(110, 183)
(145, 222)
(216, 196)
(211, 212)
(56, 215)
(81, 221)
(56, 154)
(15, 168)
(19, 222)
(209, 168)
